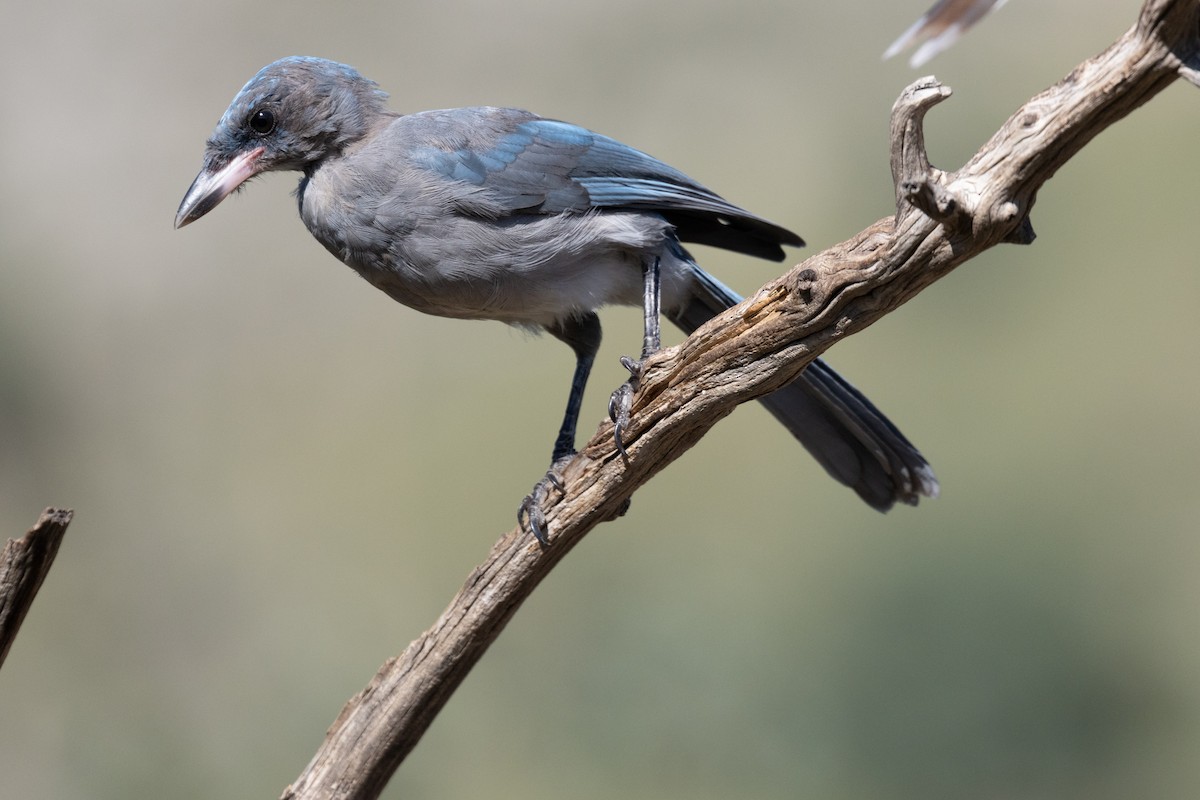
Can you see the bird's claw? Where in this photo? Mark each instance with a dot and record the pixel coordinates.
(622, 401)
(529, 514)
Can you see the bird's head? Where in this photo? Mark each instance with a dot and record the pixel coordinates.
(290, 116)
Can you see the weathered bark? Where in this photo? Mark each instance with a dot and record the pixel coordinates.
(23, 567)
(942, 220)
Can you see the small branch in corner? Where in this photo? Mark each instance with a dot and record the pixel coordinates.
(24, 565)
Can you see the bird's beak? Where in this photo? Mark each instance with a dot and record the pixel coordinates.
(214, 184)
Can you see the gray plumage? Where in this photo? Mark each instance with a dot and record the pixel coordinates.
(496, 213)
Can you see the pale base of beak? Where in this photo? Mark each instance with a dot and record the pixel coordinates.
(213, 186)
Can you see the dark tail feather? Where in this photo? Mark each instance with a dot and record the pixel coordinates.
(848, 436)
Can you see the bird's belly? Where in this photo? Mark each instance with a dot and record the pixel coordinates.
(531, 274)
(520, 294)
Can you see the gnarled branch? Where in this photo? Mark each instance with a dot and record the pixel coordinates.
(942, 220)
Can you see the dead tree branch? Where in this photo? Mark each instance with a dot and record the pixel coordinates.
(942, 220)
(23, 566)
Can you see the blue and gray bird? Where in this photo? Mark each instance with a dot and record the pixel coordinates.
(496, 213)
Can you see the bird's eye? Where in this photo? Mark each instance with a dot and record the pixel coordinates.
(262, 121)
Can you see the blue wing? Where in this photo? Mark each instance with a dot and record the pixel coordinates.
(529, 165)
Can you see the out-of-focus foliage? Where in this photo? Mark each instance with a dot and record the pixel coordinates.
(281, 476)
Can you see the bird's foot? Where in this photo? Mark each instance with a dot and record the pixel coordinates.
(622, 401)
(530, 516)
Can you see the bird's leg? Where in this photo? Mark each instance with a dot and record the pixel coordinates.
(583, 335)
(622, 399)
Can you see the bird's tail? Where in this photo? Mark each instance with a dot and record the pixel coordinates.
(839, 426)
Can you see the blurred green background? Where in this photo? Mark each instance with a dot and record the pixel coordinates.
(281, 476)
